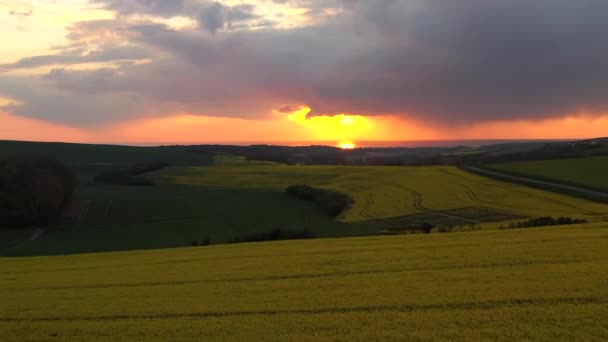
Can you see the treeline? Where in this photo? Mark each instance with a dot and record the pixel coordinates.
(317, 155)
(552, 150)
(34, 191)
(276, 235)
(324, 155)
(457, 155)
(332, 202)
(130, 176)
(543, 222)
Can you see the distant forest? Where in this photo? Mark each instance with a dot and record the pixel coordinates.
(459, 155)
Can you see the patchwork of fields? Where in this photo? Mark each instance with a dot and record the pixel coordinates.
(534, 284)
(395, 192)
(591, 173)
(235, 198)
(488, 284)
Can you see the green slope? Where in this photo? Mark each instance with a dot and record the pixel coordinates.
(535, 284)
(125, 218)
(591, 173)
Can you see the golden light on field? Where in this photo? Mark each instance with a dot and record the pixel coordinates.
(346, 145)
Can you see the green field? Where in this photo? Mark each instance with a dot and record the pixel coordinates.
(126, 218)
(535, 284)
(591, 173)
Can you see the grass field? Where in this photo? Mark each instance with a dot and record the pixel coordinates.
(395, 192)
(535, 284)
(125, 218)
(591, 173)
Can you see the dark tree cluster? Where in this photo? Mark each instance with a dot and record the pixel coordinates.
(141, 168)
(121, 178)
(130, 175)
(34, 191)
(544, 221)
(332, 202)
(276, 235)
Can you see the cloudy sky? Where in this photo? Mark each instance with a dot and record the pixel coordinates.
(159, 71)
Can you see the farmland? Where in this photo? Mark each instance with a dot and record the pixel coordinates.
(532, 284)
(235, 197)
(125, 218)
(390, 192)
(475, 283)
(589, 173)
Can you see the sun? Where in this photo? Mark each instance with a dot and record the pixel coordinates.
(346, 145)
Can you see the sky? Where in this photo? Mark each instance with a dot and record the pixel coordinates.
(186, 71)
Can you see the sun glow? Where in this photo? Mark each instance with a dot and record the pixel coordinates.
(346, 145)
(343, 128)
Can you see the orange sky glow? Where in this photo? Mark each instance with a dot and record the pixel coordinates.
(135, 72)
(294, 127)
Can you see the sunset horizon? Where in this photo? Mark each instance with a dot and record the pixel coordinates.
(133, 71)
(304, 170)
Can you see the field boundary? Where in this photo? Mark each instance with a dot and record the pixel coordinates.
(491, 167)
(593, 195)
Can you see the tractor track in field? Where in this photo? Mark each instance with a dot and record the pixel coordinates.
(471, 194)
(369, 202)
(417, 204)
(310, 275)
(303, 254)
(473, 305)
(417, 201)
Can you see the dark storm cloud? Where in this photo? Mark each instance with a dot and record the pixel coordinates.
(441, 61)
(216, 16)
(478, 60)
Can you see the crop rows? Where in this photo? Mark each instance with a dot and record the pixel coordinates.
(479, 285)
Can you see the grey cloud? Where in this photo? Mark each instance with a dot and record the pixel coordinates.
(106, 54)
(440, 61)
(163, 8)
(212, 17)
(41, 99)
(217, 16)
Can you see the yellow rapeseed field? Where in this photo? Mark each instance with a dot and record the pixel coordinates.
(535, 284)
(382, 192)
